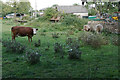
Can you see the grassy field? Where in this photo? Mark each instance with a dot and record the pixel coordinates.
(94, 63)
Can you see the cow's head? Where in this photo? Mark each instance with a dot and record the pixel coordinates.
(35, 31)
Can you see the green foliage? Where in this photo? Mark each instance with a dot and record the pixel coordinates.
(115, 40)
(92, 12)
(103, 7)
(95, 40)
(74, 51)
(38, 43)
(15, 6)
(5, 8)
(58, 48)
(27, 18)
(49, 13)
(24, 7)
(32, 56)
(55, 35)
(13, 46)
(73, 20)
(95, 63)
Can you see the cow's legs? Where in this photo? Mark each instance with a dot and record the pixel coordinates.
(13, 37)
(28, 38)
(31, 39)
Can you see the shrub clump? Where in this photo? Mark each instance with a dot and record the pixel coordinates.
(74, 54)
(70, 32)
(38, 43)
(73, 48)
(14, 46)
(55, 35)
(58, 48)
(32, 56)
(73, 20)
(115, 40)
(95, 40)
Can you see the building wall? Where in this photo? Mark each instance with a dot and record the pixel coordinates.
(81, 14)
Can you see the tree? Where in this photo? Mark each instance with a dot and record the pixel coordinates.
(24, 7)
(5, 8)
(49, 13)
(104, 7)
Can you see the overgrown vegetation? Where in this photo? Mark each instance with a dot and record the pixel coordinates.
(95, 40)
(32, 56)
(14, 47)
(84, 60)
(74, 21)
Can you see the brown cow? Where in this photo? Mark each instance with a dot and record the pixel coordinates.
(23, 31)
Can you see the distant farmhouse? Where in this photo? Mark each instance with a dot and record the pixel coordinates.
(79, 10)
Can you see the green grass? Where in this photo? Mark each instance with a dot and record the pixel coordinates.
(94, 63)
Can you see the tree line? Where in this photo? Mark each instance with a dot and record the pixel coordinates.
(15, 6)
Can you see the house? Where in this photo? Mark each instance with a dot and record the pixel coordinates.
(79, 10)
(37, 14)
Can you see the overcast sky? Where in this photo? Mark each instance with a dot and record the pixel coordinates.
(48, 3)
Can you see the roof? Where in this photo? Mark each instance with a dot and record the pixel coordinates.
(72, 9)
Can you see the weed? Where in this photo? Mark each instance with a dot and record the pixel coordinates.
(37, 44)
(95, 40)
(55, 35)
(14, 46)
(58, 48)
(32, 56)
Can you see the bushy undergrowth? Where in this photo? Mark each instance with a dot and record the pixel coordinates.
(58, 48)
(95, 40)
(27, 18)
(13, 46)
(73, 20)
(55, 35)
(32, 56)
(38, 43)
(115, 40)
(74, 51)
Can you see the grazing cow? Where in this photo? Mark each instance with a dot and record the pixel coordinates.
(98, 28)
(23, 31)
(86, 27)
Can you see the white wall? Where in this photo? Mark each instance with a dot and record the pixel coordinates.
(80, 14)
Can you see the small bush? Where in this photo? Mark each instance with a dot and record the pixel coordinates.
(73, 20)
(73, 43)
(27, 18)
(74, 54)
(58, 48)
(43, 34)
(69, 40)
(44, 30)
(95, 40)
(48, 46)
(70, 32)
(14, 46)
(115, 40)
(55, 35)
(38, 43)
(73, 48)
(32, 56)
